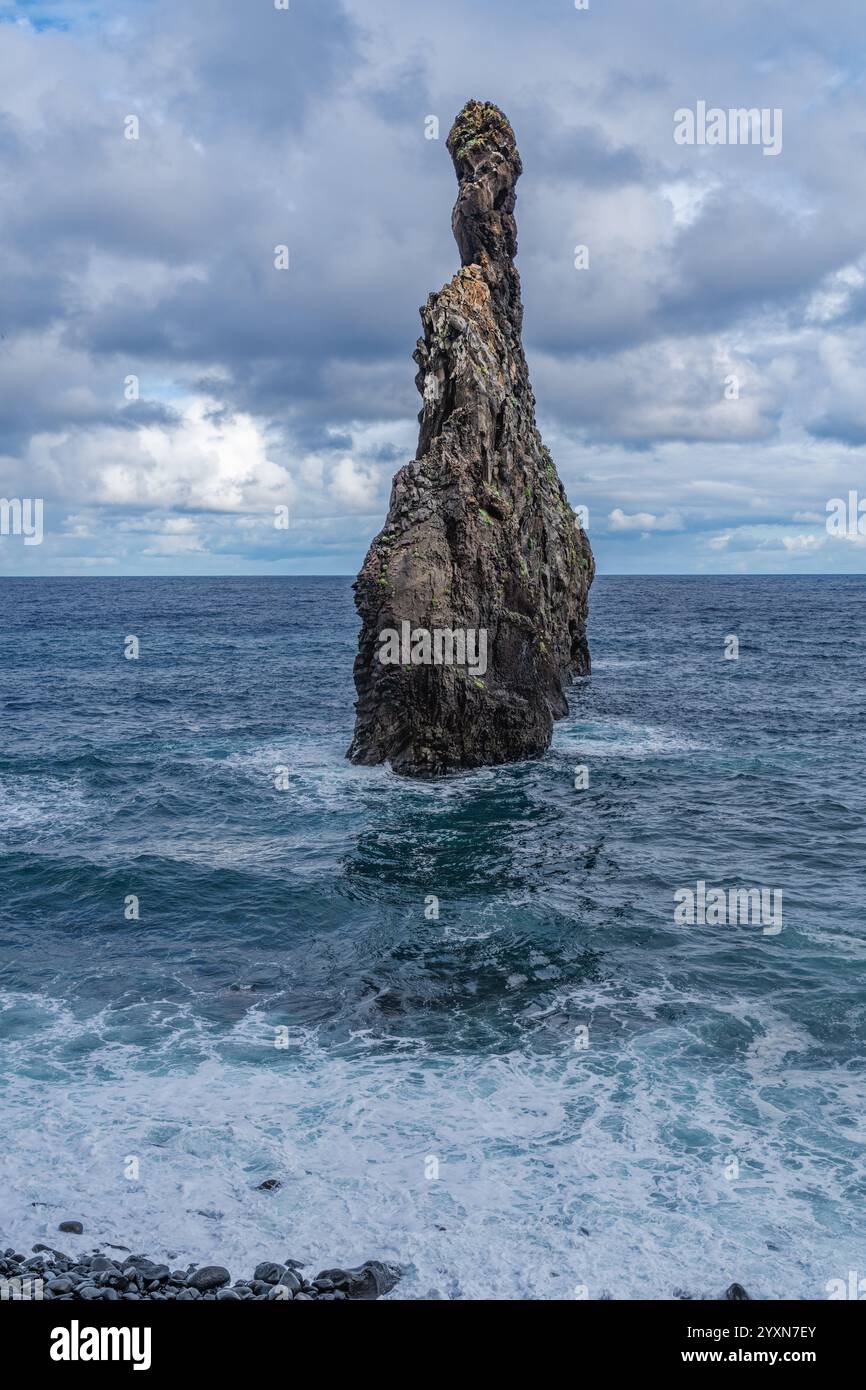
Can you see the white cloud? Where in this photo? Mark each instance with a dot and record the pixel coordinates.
(644, 521)
(832, 299)
(803, 543)
(355, 485)
(209, 460)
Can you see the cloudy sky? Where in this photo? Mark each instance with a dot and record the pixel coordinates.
(148, 266)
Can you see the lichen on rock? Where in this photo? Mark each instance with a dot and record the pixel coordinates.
(479, 536)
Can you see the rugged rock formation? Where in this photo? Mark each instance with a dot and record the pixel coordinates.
(480, 538)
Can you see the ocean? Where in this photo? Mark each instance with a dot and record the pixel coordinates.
(456, 1020)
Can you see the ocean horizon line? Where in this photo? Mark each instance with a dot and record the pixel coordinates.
(347, 574)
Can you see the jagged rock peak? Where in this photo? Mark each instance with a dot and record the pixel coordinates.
(486, 161)
(473, 597)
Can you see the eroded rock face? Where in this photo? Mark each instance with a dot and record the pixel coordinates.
(480, 539)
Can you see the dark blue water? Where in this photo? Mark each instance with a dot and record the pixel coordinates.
(429, 1098)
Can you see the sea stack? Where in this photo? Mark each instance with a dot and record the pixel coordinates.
(473, 597)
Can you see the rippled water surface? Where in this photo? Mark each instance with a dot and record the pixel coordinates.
(411, 1037)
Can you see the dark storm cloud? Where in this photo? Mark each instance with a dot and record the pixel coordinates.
(251, 65)
(579, 154)
(742, 255)
(845, 429)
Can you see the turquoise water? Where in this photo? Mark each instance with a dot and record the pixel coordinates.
(713, 1129)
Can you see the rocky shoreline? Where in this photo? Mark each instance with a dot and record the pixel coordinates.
(100, 1277)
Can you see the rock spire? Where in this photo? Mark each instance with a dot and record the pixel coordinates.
(473, 597)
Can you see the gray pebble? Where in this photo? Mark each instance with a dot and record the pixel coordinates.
(209, 1277)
